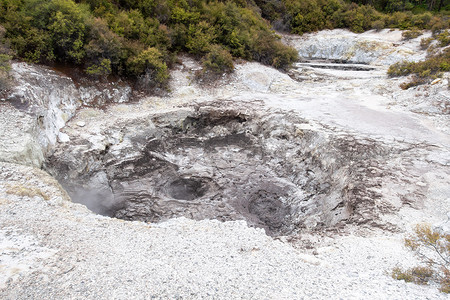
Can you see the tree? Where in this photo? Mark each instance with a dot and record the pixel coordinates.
(64, 22)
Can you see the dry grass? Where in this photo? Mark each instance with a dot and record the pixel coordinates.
(26, 191)
(4, 201)
(432, 248)
(49, 181)
(419, 275)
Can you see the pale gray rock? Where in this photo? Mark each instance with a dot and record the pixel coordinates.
(54, 249)
(104, 93)
(444, 227)
(49, 97)
(19, 137)
(383, 48)
(45, 100)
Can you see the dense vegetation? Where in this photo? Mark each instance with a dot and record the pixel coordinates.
(135, 37)
(299, 16)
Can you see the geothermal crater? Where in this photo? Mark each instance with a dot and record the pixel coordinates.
(212, 162)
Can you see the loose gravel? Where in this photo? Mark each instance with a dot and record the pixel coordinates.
(67, 252)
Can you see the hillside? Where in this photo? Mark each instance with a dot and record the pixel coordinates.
(139, 39)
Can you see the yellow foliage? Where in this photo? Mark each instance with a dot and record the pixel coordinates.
(433, 248)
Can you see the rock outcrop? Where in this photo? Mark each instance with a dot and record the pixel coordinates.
(375, 48)
(44, 101)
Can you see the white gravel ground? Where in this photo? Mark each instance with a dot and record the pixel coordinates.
(63, 251)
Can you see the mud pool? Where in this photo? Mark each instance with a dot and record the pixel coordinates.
(213, 162)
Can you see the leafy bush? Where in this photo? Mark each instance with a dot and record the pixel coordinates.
(312, 15)
(433, 249)
(444, 38)
(356, 18)
(273, 52)
(437, 24)
(400, 274)
(101, 69)
(62, 24)
(103, 44)
(425, 42)
(218, 61)
(414, 81)
(378, 25)
(105, 37)
(200, 38)
(5, 67)
(423, 71)
(411, 34)
(150, 62)
(5, 61)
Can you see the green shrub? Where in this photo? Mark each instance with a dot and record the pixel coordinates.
(111, 36)
(400, 69)
(414, 81)
(437, 24)
(101, 69)
(200, 37)
(5, 61)
(423, 71)
(64, 22)
(273, 52)
(425, 42)
(399, 274)
(312, 15)
(418, 275)
(411, 34)
(149, 61)
(5, 67)
(422, 275)
(378, 25)
(133, 38)
(444, 38)
(103, 44)
(218, 61)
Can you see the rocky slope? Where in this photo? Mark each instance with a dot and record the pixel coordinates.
(335, 162)
(43, 100)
